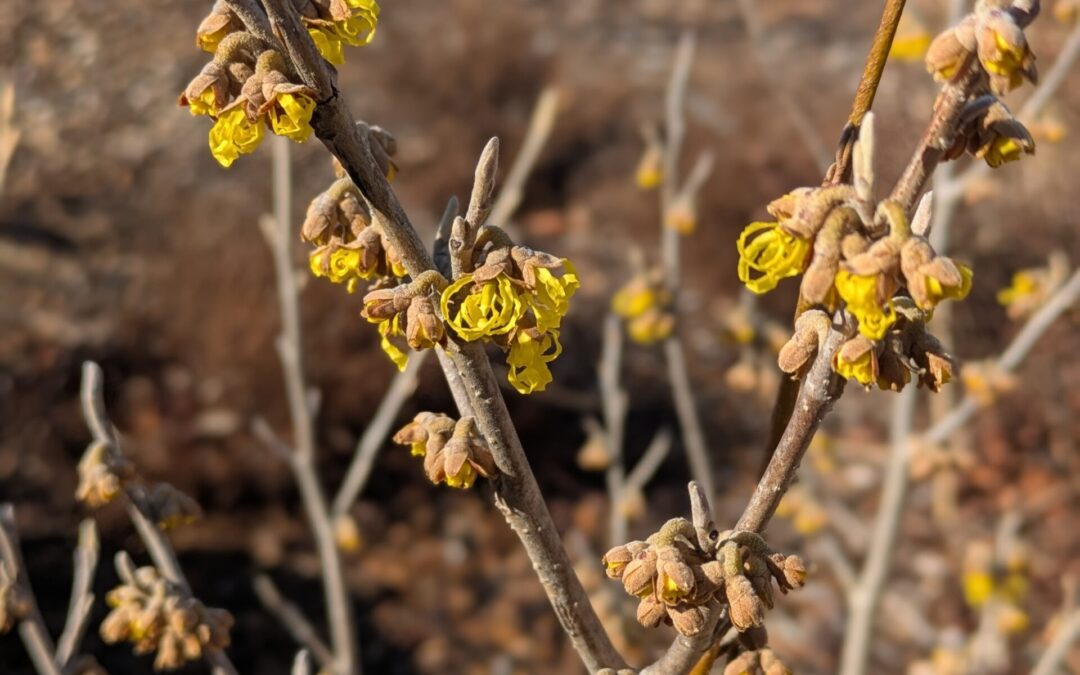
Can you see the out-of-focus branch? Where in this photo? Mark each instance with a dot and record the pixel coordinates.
(367, 448)
(864, 597)
(82, 597)
(614, 401)
(516, 492)
(1069, 632)
(32, 630)
(302, 663)
(693, 435)
(795, 111)
(646, 467)
(302, 453)
(540, 125)
(293, 619)
(92, 397)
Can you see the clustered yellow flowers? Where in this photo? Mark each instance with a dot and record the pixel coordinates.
(247, 88)
(515, 298)
(1033, 286)
(677, 582)
(454, 452)
(997, 582)
(406, 312)
(335, 23)
(157, 616)
(644, 303)
(994, 35)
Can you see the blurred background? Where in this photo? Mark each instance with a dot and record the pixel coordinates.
(123, 241)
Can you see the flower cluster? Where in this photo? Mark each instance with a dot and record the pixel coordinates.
(406, 312)
(994, 35)
(677, 582)
(335, 23)
(644, 303)
(155, 615)
(246, 88)
(103, 472)
(454, 452)
(516, 298)
(349, 248)
(997, 581)
(1032, 287)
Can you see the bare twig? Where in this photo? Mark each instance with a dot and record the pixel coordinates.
(32, 630)
(302, 663)
(654, 456)
(375, 434)
(82, 596)
(780, 91)
(1069, 631)
(540, 125)
(615, 401)
(292, 618)
(818, 392)
(302, 456)
(693, 435)
(516, 492)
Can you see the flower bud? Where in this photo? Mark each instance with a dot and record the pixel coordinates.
(745, 608)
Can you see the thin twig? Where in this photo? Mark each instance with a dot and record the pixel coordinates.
(540, 125)
(516, 492)
(1051, 660)
(292, 618)
(82, 597)
(375, 434)
(614, 400)
(780, 91)
(647, 466)
(818, 392)
(302, 663)
(302, 458)
(693, 435)
(32, 630)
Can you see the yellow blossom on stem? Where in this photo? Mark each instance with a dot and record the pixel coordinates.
(937, 291)
(528, 359)
(1002, 150)
(552, 296)
(492, 308)
(1023, 286)
(291, 116)
(203, 104)
(860, 293)
(769, 253)
(464, 478)
(232, 135)
(359, 29)
(862, 368)
(392, 328)
(328, 44)
(634, 299)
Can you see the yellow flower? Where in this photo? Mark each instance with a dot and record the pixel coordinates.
(464, 478)
(860, 294)
(768, 250)
(670, 592)
(209, 42)
(528, 361)
(232, 135)
(492, 308)
(204, 103)
(552, 296)
(359, 29)
(291, 117)
(1003, 149)
(936, 291)
(978, 588)
(634, 299)
(863, 369)
(1023, 286)
(910, 47)
(328, 44)
(389, 328)
(650, 170)
(1007, 59)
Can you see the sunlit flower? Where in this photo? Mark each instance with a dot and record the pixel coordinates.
(912, 39)
(328, 44)
(1002, 150)
(856, 360)
(291, 116)
(359, 29)
(769, 253)
(651, 327)
(388, 329)
(1004, 52)
(551, 299)
(861, 295)
(232, 135)
(490, 308)
(937, 290)
(528, 359)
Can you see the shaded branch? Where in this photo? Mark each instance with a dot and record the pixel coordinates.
(293, 619)
(35, 636)
(80, 605)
